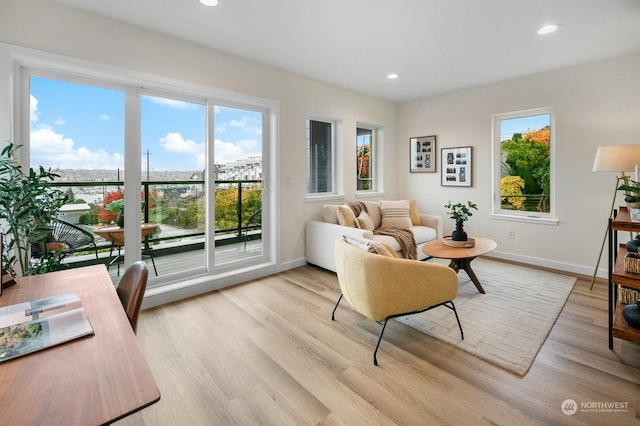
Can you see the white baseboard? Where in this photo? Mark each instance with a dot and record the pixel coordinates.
(546, 263)
(195, 286)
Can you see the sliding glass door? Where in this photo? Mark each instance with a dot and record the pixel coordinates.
(191, 168)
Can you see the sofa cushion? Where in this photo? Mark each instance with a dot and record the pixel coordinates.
(365, 222)
(413, 213)
(395, 214)
(368, 245)
(330, 213)
(346, 217)
(373, 210)
(422, 234)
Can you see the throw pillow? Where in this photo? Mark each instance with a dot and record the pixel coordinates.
(346, 217)
(330, 213)
(368, 245)
(395, 214)
(382, 249)
(365, 222)
(413, 213)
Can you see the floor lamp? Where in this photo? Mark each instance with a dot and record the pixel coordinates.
(620, 158)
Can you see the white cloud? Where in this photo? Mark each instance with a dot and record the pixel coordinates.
(104, 117)
(45, 140)
(51, 149)
(60, 122)
(228, 152)
(174, 142)
(33, 109)
(239, 123)
(249, 145)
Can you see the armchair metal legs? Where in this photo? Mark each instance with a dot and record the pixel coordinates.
(333, 314)
(383, 325)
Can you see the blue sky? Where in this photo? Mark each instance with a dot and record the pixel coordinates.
(522, 125)
(75, 126)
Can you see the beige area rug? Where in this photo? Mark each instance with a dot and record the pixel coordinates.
(506, 326)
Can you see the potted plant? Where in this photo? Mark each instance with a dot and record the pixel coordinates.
(631, 194)
(460, 212)
(117, 206)
(28, 205)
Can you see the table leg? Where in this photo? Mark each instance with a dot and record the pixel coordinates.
(465, 265)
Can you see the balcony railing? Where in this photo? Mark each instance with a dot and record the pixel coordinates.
(178, 206)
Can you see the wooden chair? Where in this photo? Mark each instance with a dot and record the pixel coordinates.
(131, 290)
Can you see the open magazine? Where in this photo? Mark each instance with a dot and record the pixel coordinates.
(38, 324)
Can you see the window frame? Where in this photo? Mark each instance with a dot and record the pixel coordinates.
(25, 62)
(496, 136)
(333, 192)
(373, 154)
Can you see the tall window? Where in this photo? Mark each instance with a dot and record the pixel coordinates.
(365, 156)
(523, 152)
(320, 157)
(200, 184)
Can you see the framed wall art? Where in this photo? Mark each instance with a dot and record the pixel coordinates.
(423, 154)
(456, 166)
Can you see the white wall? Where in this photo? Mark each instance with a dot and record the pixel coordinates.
(54, 28)
(596, 104)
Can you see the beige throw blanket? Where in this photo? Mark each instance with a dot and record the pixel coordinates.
(404, 237)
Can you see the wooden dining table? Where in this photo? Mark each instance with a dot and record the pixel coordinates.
(93, 380)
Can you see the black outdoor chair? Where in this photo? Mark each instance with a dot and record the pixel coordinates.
(74, 237)
(254, 221)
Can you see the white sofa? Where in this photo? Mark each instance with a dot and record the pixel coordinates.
(320, 236)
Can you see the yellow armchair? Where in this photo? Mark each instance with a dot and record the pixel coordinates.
(381, 287)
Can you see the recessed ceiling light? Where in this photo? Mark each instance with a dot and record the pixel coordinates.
(209, 2)
(547, 29)
(392, 76)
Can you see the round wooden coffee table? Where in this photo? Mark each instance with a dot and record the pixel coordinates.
(461, 257)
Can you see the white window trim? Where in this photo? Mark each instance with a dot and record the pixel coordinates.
(510, 215)
(375, 155)
(17, 60)
(336, 173)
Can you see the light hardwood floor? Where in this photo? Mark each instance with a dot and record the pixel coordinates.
(266, 352)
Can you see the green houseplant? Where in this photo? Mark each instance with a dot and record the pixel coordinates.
(28, 205)
(117, 206)
(631, 194)
(460, 212)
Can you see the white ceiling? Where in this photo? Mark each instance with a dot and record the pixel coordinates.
(434, 45)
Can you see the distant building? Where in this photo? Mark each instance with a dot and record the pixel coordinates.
(246, 169)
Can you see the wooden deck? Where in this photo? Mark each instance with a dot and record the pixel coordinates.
(182, 261)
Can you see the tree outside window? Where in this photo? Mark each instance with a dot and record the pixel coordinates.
(364, 159)
(525, 148)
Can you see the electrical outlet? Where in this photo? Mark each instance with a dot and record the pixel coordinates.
(511, 234)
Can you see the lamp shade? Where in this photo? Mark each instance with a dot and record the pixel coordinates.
(619, 158)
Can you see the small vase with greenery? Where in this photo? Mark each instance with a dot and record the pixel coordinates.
(460, 212)
(28, 205)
